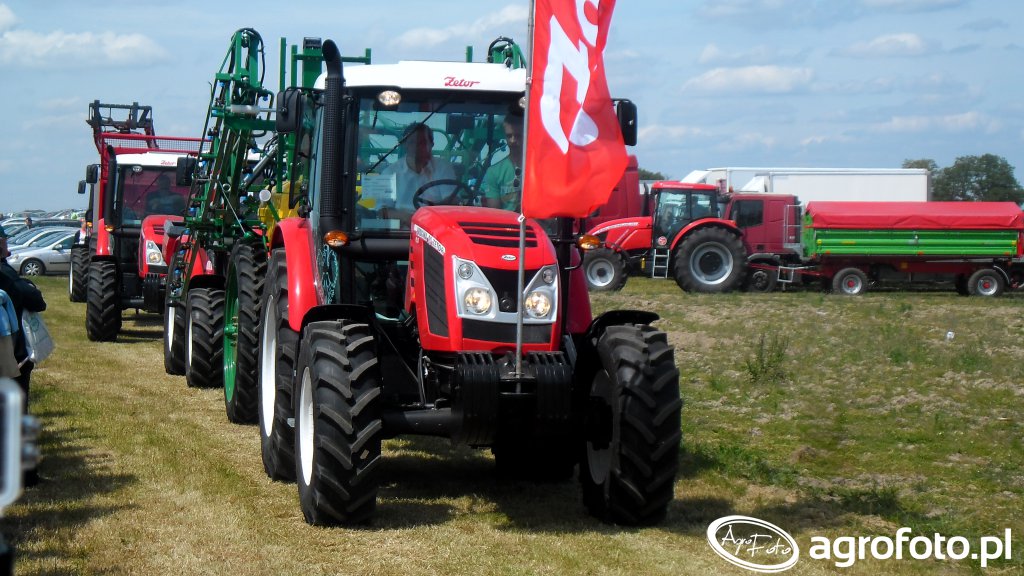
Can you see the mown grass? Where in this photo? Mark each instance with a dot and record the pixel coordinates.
(828, 416)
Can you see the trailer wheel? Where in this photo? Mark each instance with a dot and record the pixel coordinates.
(277, 349)
(241, 333)
(986, 282)
(338, 429)
(204, 332)
(103, 303)
(78, 275)
(632, 428)
(605, 270)
(710, 260)
(761, 280)
(174, 338)
(850, 282)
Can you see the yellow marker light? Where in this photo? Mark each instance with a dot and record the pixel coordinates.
(336, 239)
(588, 242)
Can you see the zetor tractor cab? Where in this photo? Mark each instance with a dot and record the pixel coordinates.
(135, 194)
(681, 233)
(378, 324)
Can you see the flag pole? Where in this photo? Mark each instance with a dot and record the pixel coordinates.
(521, 286)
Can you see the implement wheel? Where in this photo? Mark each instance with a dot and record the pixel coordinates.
(632, 430)
(241, 333)
(277, 349)
(338, 429)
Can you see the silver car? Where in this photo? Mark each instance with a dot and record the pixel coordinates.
(50, 257)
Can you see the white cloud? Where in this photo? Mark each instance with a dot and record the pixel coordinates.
(657, 132)
(890, 45)
(746, 141)
(751, 79)
(434, 36)
(7, 18)
(760, 54)
(61, 49)
(955, 123)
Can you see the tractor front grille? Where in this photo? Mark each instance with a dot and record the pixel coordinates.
(499, 235)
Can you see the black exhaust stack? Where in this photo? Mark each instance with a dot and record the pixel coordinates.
(333, 155)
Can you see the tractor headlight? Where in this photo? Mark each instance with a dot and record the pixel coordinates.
(154, 257)
(478, 300)
(538, 304)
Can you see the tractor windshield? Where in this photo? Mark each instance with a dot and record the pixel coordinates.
(431, 151)
(149, 190)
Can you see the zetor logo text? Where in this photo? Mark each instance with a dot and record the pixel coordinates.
(764, 547)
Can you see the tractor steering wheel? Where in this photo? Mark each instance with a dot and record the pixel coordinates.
(418, 201)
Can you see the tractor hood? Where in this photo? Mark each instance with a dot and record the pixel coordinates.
(487, 236)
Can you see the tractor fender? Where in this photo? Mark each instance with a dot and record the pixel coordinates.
(206, 281)
(618, 318)
(296, 237)
(354, 312)
(728, 225)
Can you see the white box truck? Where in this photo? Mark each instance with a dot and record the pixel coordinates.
(823, 184)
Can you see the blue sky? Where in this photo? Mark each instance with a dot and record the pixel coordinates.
(819, 83)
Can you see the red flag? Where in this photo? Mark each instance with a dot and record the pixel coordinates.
(575, 154)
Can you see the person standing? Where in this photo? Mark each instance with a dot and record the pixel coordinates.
(24, 295)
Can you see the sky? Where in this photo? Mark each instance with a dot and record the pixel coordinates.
(785, 83)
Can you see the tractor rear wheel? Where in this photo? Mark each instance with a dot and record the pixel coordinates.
(604, 269)
(241, 333)
(174, 338)
(103, 303)
(277, 350)
(338, 429)
(986, 282)
(204, 332)
(632, 428)
(78, 275)
(710, 260)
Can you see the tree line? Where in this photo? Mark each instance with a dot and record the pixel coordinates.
(986, 178)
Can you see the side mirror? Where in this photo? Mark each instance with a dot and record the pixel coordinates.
(185, 169)
(625, 110)
(81, 186)
(289, 111)
(92, 174)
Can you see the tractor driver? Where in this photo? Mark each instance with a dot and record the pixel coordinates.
(163, 200)
(502, 185)
(416, 170)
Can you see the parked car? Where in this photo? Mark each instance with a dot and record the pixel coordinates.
(44, 239)
(50, 258)
(26, 237)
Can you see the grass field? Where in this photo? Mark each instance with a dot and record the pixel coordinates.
(828, 416)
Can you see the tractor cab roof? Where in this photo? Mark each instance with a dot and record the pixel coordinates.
(433, 75)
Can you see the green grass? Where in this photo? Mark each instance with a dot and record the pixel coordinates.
(826, 415)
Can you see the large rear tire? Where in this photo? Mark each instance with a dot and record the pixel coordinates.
(204, 332)
(103, 303)
(632, 428)
(604, 269)
(78, 275)
(338, 429)
(174, 338)
(710, 260)
(277, 351)
(241, 333)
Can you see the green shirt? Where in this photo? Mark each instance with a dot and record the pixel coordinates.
(500, 184)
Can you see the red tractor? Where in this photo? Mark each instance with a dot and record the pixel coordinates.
(134, 195)
(376, 324)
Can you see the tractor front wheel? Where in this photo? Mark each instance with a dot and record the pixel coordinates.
(204, 317)
(604, 269)
(103, 303)
(632, 428)
(338, 428)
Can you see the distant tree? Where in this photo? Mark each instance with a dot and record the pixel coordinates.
(648, 175)
(978, 178)
(932, 168)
